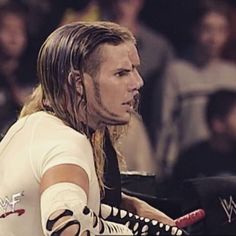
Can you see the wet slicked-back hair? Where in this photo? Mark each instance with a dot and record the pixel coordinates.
(70, 51)
(73, 48)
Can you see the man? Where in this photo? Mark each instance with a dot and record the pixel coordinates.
(190, 80)
(214, 156)
(204, 174)
(87, 91)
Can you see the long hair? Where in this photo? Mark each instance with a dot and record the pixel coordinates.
(70, 50)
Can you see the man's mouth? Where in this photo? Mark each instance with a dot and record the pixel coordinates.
(129, 103)
(133, 102)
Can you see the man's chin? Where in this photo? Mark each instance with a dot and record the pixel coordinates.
(120, 121)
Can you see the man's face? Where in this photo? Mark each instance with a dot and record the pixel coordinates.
(110, 94)
(12, 36)
(212, 33)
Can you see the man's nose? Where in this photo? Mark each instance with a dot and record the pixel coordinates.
(141, 82)
(137, 81)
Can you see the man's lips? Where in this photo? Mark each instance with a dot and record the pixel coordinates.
(128, 103)
(132, 101)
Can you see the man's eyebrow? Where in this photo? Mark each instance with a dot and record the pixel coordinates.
(122, 69)
(127, 67)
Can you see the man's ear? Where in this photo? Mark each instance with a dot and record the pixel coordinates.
(75, 80)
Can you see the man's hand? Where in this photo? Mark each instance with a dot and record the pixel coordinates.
(141, 208)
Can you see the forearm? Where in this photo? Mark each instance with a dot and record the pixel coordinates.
(64, 212)
(128, 204)
(141, 208)
(138, 225)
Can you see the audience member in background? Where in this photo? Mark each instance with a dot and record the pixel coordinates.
(215, 156)
(155, 52)
(13, 80)
(81, 11)
(190, 80)
(230, 49)
(44, 16)
(135, 146)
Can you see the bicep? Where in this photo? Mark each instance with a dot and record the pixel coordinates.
(69, 174)
(65, 173)
(64, 208)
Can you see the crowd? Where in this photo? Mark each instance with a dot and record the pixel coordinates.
(185, 126)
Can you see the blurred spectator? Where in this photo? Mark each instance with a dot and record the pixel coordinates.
(13, 83)
(155, 52)
(230, 48)
(215, 156)
(188, 82)
(44, 17)
(3, 2)
(135, 146)
(82, 11)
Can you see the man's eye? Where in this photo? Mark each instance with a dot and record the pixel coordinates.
(122, 73)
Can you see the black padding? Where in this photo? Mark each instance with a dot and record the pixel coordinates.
(51, 223)
(217, 196)
(68, 224)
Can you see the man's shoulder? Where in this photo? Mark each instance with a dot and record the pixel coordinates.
(48, 127)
